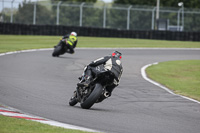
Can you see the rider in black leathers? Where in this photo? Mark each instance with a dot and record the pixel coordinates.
(108, 63)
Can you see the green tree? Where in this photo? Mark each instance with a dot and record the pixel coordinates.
(138, 20)
(93, 17)
(74, 0)
(163, 3)
(25, 14)
(116, 18)
(136, 2)
(69, 15)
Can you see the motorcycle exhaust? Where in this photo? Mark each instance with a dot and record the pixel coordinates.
(106, 94)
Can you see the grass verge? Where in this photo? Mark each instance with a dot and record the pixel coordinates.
(183, 77)
(14, 125)
(22, 42)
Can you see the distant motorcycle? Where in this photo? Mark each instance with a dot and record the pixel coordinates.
(96, 91)
(60, 49)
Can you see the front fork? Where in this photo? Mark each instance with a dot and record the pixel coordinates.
(81, 93)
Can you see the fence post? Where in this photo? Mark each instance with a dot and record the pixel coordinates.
(104, 16)
(128, 17)
(182, 18)
(11, 16)
(2, 15)
(34, 13)
(81, 13)
(58, 12)
(152, 19)
(178, 20)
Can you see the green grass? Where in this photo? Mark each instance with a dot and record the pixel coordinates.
(183, 77)
(14, 125)
(22, 42)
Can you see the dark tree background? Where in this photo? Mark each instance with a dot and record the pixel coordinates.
(115, 18)
(75, 0)
(164, 3)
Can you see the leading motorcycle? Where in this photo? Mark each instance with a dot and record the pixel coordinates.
(60, 49)
(94, 93)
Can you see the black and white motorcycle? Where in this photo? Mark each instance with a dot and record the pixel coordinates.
(94, 93)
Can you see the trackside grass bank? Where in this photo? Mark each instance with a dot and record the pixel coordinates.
(14, 125)
(22, 42)
(183, 77)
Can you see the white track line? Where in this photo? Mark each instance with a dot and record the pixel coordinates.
(24, 51)
(46, 49)
(11, 112)
(161, 86)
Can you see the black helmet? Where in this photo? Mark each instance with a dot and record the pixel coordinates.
(117, 54)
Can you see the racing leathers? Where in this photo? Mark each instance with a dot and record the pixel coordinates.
(70, 42)
(107, 63)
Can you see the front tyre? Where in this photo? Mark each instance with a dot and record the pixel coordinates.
(73, 101)
(92, 97)
(57, 51)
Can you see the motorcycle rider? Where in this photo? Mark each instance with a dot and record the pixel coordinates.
(70, 40)
(108, 63)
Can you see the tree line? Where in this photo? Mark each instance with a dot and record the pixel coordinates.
(163, 3)
(93, 17)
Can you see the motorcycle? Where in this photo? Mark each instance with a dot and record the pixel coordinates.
(60, 49)
(94, 93)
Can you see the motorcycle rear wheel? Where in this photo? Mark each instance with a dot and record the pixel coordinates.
(88, 103)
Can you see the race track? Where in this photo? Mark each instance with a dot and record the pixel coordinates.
(39, 84)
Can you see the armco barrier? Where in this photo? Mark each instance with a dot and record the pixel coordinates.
(24, 29)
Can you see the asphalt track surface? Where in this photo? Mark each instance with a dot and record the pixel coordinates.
(39, 84)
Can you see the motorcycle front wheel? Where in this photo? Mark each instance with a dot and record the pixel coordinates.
(57, 51)
(92, 98)
(73, 101)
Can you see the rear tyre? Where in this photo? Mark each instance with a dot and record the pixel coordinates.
(92, 97)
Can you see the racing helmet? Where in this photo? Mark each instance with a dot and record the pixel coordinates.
(117, 54)
(73, 33)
